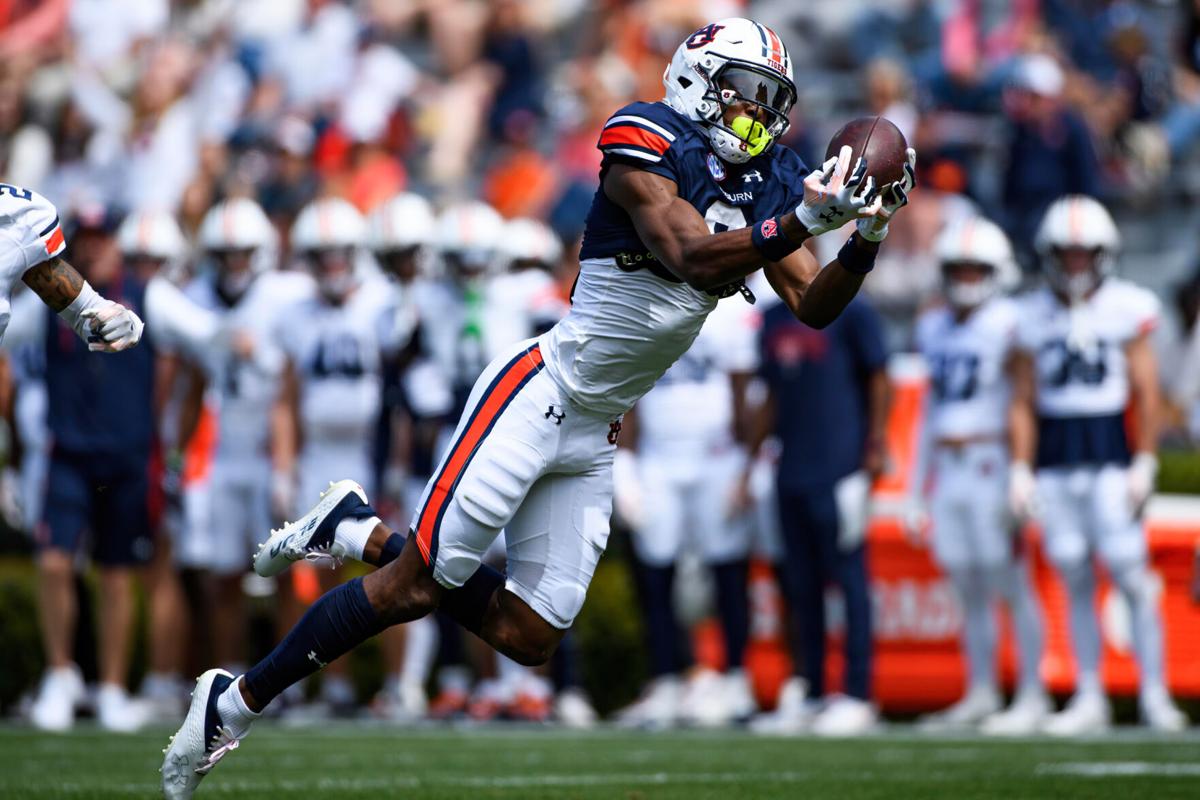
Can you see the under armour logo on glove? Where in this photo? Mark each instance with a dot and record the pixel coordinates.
(829, 216)
(558, 417)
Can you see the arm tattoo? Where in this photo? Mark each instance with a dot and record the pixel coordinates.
(55, 281)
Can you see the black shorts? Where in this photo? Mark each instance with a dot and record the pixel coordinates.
(103, 496)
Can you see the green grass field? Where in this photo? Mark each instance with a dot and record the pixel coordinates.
(367, 761)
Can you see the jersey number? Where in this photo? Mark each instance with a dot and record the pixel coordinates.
(15, 191)
(723, 217)
(338, 357)
(955, 376)
(1061, 364)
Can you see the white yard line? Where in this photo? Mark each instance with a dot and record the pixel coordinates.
(1107, 769)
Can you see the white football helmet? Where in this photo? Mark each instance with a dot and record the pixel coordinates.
(239, 243)
(238, 223)
(975, 240)
(327, 235)
(326, 224)
(404, 222)
(731, 61)
(530, 240)
(468, 237)
(151, 234)
(1077, 222)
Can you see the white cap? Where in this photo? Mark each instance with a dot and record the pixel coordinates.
(1039, 74)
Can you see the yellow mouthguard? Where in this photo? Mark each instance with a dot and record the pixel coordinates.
(752, 133)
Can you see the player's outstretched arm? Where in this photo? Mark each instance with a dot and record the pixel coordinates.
(678, 236)
(106, 326)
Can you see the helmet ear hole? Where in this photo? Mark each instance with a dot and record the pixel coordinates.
(684, 82)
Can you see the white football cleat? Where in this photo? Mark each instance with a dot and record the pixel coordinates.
(845, 716)
(1024, 717)
(54, 708)
(657, 708)
(1086, 713)
(1160, 713)
(313, 537)
(976, 705)
(739, 695)
(573, 709)
(116, 711)
(793, 715)
(703, 703)
(200, 742)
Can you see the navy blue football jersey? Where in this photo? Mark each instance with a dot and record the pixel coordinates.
(658, 139)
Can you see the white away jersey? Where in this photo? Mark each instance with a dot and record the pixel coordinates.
(243, 390)
(337, 353)
(623, 331)
(969, 389)
(1079, 351)
(689, 412)
(31, 232)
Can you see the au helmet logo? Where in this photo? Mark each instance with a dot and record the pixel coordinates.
(704, 36)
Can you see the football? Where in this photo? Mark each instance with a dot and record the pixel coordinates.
(879, 140)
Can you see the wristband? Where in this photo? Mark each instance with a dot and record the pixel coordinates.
(769, 239)
(855, 258)
(87, 299)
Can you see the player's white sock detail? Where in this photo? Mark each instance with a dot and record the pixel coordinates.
(353, 534)
(235, 714)
(979, 626)
(1012, 582)
(420, 648)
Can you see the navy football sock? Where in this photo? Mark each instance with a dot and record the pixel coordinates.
(564, 664)
(336, 623)
(468, 604)
(662, 629)
(391, 549)
(733, 606)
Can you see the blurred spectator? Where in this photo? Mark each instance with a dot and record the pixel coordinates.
(1050, 152)
(1182, 123)
(827, 403)
(887, 91)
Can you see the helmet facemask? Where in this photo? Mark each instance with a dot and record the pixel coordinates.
(1076, 272)
(235, 271)
(747, 110)
(968, 284)
(333, 269)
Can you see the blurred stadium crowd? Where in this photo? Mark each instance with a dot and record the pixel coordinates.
(367, 200)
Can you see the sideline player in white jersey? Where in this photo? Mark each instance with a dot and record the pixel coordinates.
(336, 343)
(533, 452)
(675, 486)
(32, 252)
(1084, 355)
(400, 234)
(242, 374)
(962, 459)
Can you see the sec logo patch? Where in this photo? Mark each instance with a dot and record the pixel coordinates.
(716, 168)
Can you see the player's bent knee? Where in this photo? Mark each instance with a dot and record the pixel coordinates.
(519, 633)
(529, 649)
